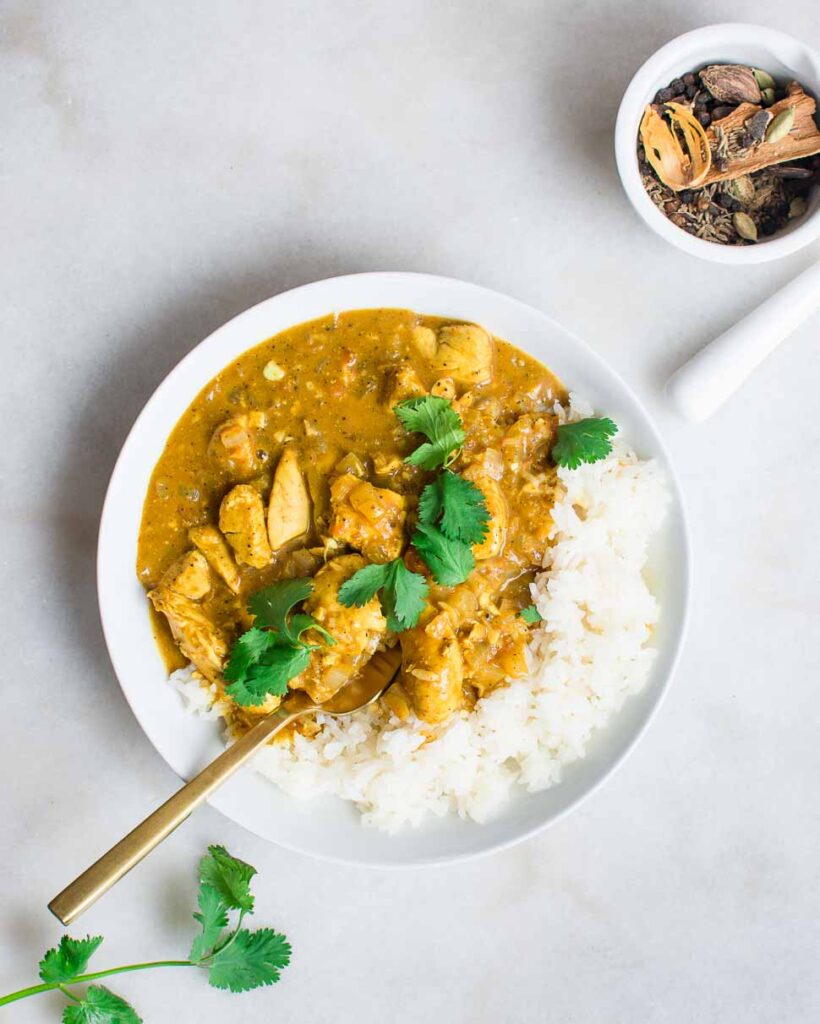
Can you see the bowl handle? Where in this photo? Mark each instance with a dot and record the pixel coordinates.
(711, 376)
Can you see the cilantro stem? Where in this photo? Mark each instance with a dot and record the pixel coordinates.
(49, 986)
(68, 993)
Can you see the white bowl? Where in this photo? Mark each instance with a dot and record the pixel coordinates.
(328, 827)
(781, 55)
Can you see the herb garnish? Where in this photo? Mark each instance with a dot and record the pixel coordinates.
(439, 422)
(531, 615)
(583, 441)
(237, 960)
(272, 652)
(461, 505)
(403, 592)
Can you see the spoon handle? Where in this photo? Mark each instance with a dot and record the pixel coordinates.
(110, 868)
(711, 376)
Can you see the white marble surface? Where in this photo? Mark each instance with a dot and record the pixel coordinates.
(164, 166)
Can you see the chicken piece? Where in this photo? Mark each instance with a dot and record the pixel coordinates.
(403, 383)
(289, 507)
(432, 666)
(493, 543)
(215, 548)
(397, 702)
(189, 576)
(357, 632)
(368, 518)
(242, 520)
(494, 651)
(463, 352)
(233, 443)
(199, 639)
(444, 387)
(526, 444)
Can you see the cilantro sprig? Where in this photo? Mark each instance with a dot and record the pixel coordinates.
(439, 422)
(453, 515)
(272, 652)
(403, 592)
(235, 958)
(531, 615)
(583, 441)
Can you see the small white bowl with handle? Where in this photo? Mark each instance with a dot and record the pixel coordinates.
(786, 58)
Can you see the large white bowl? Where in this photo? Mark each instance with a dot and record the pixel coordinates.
(784, 57)
(328, 827)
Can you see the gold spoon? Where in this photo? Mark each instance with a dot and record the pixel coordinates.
(368, 686)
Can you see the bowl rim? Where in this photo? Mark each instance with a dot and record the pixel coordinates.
(109, 533)
(644, 82)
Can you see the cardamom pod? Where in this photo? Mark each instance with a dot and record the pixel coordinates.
(745, 226)
(780, 125)
(764, 79)
(742, 189)
(767, 96)
(797, 207)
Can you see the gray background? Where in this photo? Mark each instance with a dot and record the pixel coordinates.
(166, 165)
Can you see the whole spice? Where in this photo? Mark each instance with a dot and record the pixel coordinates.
(764, 79)
(664, 152)
(731, 83)
(757, 124)
(781, 125)
(763, 152)
(745, 226)
(742, 189)
(797, 207)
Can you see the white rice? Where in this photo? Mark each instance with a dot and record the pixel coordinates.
(592, 651)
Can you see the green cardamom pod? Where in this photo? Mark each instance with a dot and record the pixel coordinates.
(780, 125)
(764, 79)
(797, 207)
(745, 226)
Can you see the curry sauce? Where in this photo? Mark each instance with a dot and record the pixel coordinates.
(290, 463)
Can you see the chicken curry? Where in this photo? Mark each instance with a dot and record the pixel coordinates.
(292, 464)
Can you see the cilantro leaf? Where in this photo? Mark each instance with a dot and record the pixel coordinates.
(531, 615)
(69, 959)
(271, 605)
(583, 441)
(251, 960)
(436, 418)
(100, 1006)
(248, 650)
(269, 676)
(405, 597)
(364, 585)
(229, 876)
(450, 561)
(461, 505)
(403, 592)
(213, 916)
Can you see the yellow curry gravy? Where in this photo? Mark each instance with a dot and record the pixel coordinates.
(325, 392)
